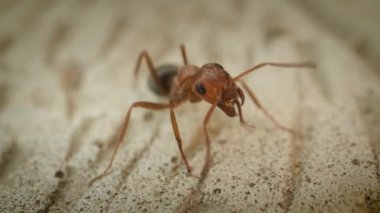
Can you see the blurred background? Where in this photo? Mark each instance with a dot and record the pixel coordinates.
(356, 22)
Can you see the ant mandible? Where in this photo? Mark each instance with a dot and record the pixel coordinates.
(210, 82)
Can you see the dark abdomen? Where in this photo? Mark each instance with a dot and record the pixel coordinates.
(166, 74)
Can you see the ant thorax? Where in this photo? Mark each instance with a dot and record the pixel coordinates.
(181, 85)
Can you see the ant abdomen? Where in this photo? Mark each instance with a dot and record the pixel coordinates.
(166, 73)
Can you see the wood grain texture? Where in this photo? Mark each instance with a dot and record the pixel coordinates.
(66, 82)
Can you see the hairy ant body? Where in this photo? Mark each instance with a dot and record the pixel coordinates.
(209, 82)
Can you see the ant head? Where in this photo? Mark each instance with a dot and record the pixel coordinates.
(214, 85)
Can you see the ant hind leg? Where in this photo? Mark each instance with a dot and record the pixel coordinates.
(184, 55)
(153, 71)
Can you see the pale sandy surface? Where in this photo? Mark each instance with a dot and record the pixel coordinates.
(66, 83)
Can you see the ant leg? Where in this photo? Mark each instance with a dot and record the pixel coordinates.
(184, 55)
(258, 104)
(285, 65)
(152, 70)
(208, 146)
(141, 104)
(242, 120)
(178, 136)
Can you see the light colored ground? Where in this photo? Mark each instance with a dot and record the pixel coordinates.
(66, 82)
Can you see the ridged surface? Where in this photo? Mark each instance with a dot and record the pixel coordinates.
(66, 81)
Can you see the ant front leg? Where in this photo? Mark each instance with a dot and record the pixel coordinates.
(152, 69)
(178, 135)
(258, 104)
(206, 166)
(282, 65)
(140, 104)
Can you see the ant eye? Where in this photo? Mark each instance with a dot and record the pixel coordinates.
(200, 88)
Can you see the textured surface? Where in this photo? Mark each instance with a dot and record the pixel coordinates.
(66, 82)
(356, 22)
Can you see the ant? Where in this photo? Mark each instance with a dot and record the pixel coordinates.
(210, 82)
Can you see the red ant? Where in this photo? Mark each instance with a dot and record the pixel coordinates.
(210, 83)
